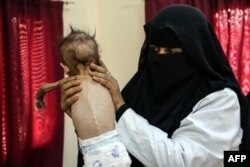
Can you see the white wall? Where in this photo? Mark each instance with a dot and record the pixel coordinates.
(119, 31)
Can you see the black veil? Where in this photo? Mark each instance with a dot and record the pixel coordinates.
(202, 47)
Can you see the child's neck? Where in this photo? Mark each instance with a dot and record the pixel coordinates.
(82, 70)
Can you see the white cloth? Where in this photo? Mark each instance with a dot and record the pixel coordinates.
(105, 150)
(210, 129)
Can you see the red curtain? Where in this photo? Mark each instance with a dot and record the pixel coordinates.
(29, 56)
(231, 22)
(232, 26)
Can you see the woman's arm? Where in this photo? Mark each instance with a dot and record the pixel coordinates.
(212, 128)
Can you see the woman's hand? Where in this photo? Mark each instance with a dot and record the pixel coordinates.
(101, 75)
(69, 87)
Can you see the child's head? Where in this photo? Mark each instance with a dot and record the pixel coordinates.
(78, 48)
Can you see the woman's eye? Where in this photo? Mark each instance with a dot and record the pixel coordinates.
(165, 50)
(156, 49)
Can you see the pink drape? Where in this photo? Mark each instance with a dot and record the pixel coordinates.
(231, 22)
(232, 26)
(29, 34)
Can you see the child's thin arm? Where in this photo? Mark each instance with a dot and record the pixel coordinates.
(39, 103)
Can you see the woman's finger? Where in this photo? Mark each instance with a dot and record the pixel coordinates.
(71, 100)
(72, 91)
(70, 86)
(100, 75)
(97, 68)
(70, 82)
(68, 112)
(102, 63)
(105, 82)
(69, 79)
(73, 86)
(67, 100)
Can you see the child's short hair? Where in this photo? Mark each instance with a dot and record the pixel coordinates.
(79, 47)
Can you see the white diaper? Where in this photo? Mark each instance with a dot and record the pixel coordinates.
(105, 150)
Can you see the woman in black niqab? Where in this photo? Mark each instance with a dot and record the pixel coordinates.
(167, 86)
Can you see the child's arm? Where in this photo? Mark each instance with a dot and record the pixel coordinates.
(39, 103)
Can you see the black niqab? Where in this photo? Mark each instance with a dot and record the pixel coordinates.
(165, 88)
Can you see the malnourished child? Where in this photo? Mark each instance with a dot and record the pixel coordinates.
(93, 114)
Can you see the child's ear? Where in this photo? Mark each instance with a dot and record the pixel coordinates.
(65, 68)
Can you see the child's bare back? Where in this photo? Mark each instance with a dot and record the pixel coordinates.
(93, 114)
